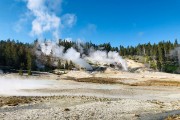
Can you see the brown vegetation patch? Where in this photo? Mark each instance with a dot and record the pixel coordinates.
(157, 83)
(99, 80)
(174, 117)
(14, 101)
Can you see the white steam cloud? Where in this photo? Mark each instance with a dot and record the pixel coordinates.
(14, 86)
(69, 20)
(102, 57)
(45, 18)
(74, 56)
(51, 48)
(176, 53)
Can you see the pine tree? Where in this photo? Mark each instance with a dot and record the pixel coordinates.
(59, 64)
(21, 69)
(29, 63)
(176, 43)
(71, 65)
(66, 65)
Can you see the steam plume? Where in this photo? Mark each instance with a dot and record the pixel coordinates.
(111, 57)
(79, 58)
(51, 48)
(45, 18)
(13, 86)
(176, 53)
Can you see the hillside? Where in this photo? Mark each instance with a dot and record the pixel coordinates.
(48, 55)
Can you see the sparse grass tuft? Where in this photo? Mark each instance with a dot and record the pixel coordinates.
(66, 109)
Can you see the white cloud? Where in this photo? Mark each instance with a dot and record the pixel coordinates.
(55, 5)
(19, 25)
(45, 18)
(45, 21)
(89, 29)
(69, 20)
(35, 5)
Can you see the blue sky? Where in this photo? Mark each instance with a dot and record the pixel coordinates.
(125, 22)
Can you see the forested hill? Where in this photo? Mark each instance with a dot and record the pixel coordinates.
(158, 56)
(149, 49)
(21, 56)
(17, 55)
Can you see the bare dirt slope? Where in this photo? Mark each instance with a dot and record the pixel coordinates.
(133, 64)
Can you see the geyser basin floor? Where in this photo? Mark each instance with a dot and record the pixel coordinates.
(117, 101)
(39, 87)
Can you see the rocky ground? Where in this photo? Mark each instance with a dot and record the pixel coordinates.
(85, 108)
(79, 95)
